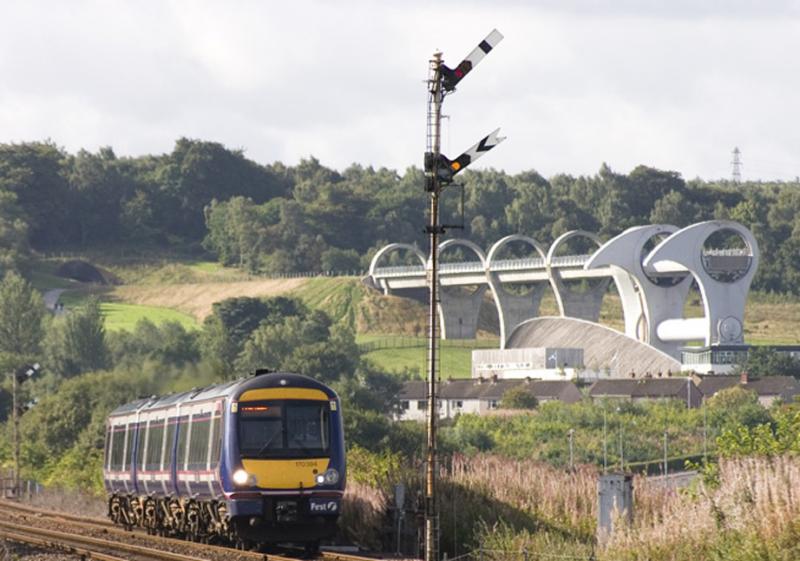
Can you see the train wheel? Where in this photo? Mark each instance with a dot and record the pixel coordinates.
(311, 549)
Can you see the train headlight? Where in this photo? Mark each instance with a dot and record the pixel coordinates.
(320, 478)
(241, 477)
(331, 476)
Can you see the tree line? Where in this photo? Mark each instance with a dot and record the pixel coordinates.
(203, 198)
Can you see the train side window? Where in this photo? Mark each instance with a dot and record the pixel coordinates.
(109, 441)
(172, 426)
(216, 440)
(155, 439)
(141, 442)
(117, 447)
(183, 438)
(128, 450)
(198, 445)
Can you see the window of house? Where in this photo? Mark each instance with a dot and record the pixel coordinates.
(492, 404)
(422, 404)
(405, 404)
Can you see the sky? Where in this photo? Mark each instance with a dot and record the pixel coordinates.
(674, 85)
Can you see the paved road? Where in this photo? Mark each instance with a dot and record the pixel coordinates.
(51, 298)
(676, 480)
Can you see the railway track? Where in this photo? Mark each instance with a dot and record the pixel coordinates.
(149, 547)
(87, 546)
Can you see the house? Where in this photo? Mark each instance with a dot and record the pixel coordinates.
(646, 389)
(476, 395)
(768, 388)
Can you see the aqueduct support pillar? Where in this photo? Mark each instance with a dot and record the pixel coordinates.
(459, 311)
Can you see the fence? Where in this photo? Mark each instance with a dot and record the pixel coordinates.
(422, 342)
(8, 490)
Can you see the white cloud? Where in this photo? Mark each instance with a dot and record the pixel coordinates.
(675, 85)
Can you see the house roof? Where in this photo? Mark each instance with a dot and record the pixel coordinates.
(642, 387)
(785, 386)
(486, 389)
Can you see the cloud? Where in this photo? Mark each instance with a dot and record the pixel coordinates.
(574, 84)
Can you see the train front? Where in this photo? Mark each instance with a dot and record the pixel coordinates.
(285, 473)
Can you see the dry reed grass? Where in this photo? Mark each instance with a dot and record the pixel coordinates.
(757, 497)
(363, 516)
(560, 497)
(756, 502)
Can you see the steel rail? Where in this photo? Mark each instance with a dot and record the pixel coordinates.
(45, 544)
(58, 514)
(72, 540)
(107, 526)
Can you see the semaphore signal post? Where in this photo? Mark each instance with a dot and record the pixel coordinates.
(439, 172)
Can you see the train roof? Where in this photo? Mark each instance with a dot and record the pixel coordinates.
(223, 390)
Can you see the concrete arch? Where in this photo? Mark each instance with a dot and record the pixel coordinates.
(394, 247)
(570, 303)
(499, 244)
(382, 252)
(464, 243)
(723, 302)
(645, 303)
(513, 309)
(458, 309)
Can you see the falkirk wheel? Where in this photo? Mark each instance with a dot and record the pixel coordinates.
(652, 268)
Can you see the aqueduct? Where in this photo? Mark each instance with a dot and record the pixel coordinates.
(652, 268)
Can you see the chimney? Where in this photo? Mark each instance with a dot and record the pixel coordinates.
(743, 378)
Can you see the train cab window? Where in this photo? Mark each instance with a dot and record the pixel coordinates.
(260, 429)
(307, 427)
(198, 441)
(286, 429)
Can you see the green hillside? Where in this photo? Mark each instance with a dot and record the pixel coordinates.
(390, 329)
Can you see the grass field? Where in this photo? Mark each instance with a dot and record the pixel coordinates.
(410, 354)
(454, 362)
(125, 316)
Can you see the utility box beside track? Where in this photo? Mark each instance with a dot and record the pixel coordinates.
(615, 503)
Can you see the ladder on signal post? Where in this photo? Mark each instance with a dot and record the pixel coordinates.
(439, 172)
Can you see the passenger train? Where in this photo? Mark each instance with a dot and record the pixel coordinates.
(254, 461)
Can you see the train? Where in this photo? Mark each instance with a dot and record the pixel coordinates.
(250, 462)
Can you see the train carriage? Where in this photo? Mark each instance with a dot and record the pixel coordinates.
(257, 460)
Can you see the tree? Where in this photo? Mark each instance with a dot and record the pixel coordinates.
(34, 172)
(232, 322)
(21, 314)
(77, 343)
(340, 260)
(98, 189)
(519, 397)
(767, 361)
(169, 343)
(306, 345)
(13, 234)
